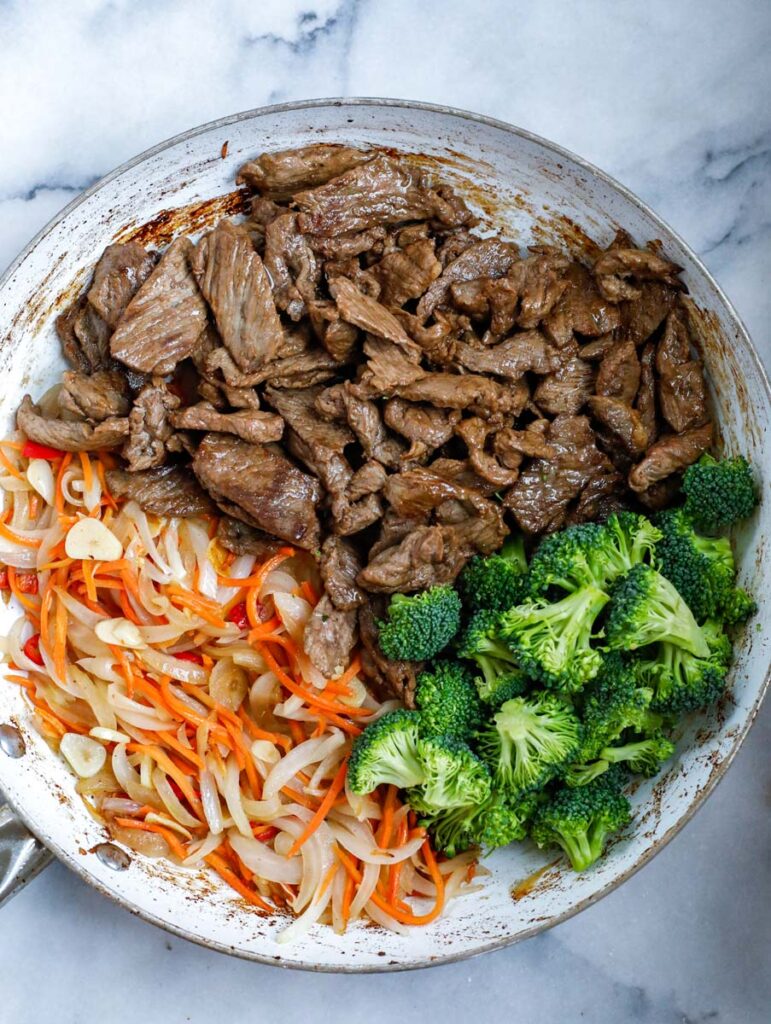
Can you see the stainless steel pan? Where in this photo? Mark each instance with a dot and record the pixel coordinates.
(535, 191)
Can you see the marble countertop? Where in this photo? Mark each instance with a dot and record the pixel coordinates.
(672, 99)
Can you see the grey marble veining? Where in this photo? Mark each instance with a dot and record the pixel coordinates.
(674, 99)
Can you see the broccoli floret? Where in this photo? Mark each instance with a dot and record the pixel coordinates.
(495, 582)
(646, 608)
(737, 607)
(500, 674)
(719, 493)
(682, 681)
(700, 568)
(387, 752)
(614, 701)
(581, 819)
(552, 641)
(448, 700)
(454, 776)
(563, 560)
(528, 741)
(497, 821)
(420, 626)
(643, 757)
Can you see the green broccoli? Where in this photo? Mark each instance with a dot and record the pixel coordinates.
(501, 677)
(643, 756)
(581, 819)
(563, 560)
(719, 493)
(495, 582)
(448, 700)
(627, 539)
(682, 681)
(613, 702)
(497, 821)
(454, 776)
(387, 752)
(529, 740)
(647, 608)
(420, 626)
(737, 607)
(552, 641)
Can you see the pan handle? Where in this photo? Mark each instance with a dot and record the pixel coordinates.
(21, 855)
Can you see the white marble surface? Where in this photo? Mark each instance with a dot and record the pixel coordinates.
(674, 99)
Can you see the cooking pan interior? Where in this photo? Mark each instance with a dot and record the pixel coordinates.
(537, 194)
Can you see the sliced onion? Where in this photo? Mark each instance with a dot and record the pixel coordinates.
(119, 805)
(264, 692)
(357, 838)
(78, 610)
(369, 878)
(202, 849)
(231, 790)
(139, 519)
(162, 819)
(308, 752)
(108, 735)
(167, 665)
(41, 477)
(265, 862)
(149, 844)
(16, 555)
(385, 920)
(102, 668)
(171, 801)
(294, 613)
(210, 801)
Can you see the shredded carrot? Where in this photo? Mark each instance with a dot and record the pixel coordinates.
(202, 606)
(264, 629)
(219, 865)
(60, 640)
(262, 734)
(181, 749)
(348, 892)
(387, 821)
(88, 579)
(19, 594)
(395, 871)
(300, 691)
(324, 807)
(59, 494)
(9, 466)
(163, 761)
(309, 593)
(88, 473)
(300, 798)
(25, 542)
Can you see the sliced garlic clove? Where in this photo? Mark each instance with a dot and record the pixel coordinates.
(119, 633)
(89, 538)
(41, 477)
(86, 756)
(99, 732)
(264, 750)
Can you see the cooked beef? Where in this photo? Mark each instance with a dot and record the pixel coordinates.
(300, 371)
(262, 488)
(669, 455)
(619, 373)
(622, 420)
(406, 273)
(580, 310)
(340, 565)
(487, 258)
(595, 351)
(330, 636)
(69, 436)
(616, 265)
(427, 556)
(475, 432)
(151, 433)
(645, 315)
(603, 494)
(380, 192)
(344, 246)
(425, 427)
(252, 425)
(243, 539)
(368, 479)
(163, 322)
(388, 368)
(84, 336)
(298, 409)
(96, 397)
(365, 420)
(545, 488)
(236, 286)
(541, 282)
(682, 390)
(165, 491)
(368, 314)
(292, 266)
(279, 175)
(526, 352)
(121, 270)
(646, 396)
(510, 446)
(567, 389)
(661, 494)
(389, 678)
(482, 395)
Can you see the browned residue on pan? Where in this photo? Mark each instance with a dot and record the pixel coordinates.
(167, 224)
(533, 884)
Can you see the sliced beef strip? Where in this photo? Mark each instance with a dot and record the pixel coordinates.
(260, 487)
(242, 539)
(425, 427)
(646, 396)
(165, 491)
(406, 273)
(344, 246)
(460, 473)
(292, 266)
(381, 192)
(365, 420)
(387, 368)
(541, 283)
(84, 337)
(338, 337)
(237, 288)
(595, 351)
(69, 436)
(298, 371)
(480, 394)
(437, 342)
(546, 487)
(669, 455)
(511, 446)
(661, 494)
(370, 315)
(641, 317)
(580, 310)
(279, 175)
(622, 420)
(151, 431)
(682, 391)
(163, 322)
(298, 409)
(427, 556)
(619, 373)
(475, 431)
(387, 677)
(603, 495)
(120, 272)
(253, 426)
(617, 265)
(489, 257)
(674, 348)
(567, 389)
(330, 636)
(368, 479)
(97, 396)
(340, 565)
(526, 352)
